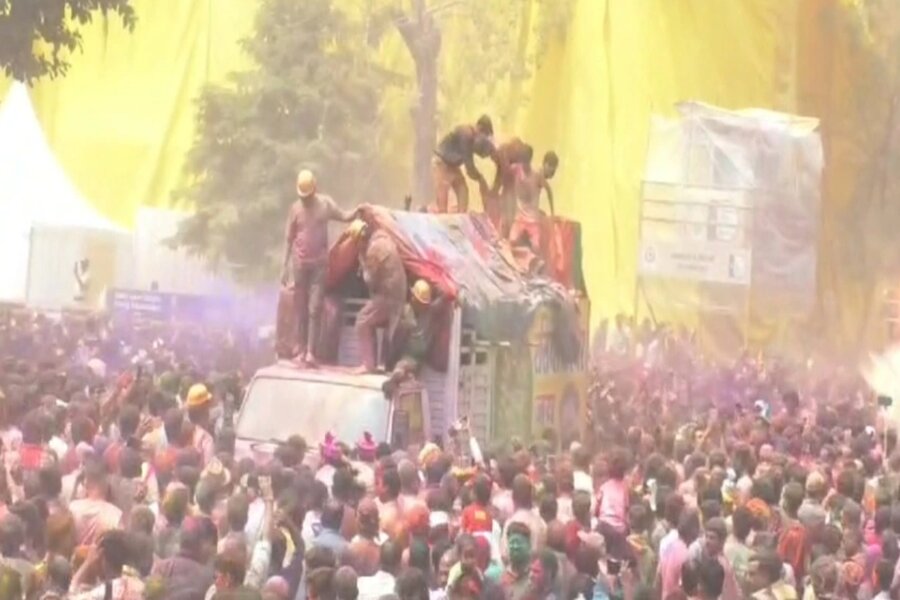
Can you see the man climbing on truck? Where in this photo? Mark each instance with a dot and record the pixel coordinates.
(458, 149)
(416, 333)
(384, 275)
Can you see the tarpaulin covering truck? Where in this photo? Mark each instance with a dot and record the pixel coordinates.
(510, 355)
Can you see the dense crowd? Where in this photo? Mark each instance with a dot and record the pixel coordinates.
(700, 479)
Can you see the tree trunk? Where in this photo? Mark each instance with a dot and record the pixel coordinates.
(423, 39)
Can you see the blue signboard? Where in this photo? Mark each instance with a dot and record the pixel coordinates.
(159, 306)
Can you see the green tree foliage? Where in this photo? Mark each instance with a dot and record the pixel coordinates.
(37, 36)
(311, 101)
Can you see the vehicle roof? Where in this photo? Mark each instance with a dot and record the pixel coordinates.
(285, 369)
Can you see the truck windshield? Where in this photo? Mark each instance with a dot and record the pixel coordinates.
(276, 409)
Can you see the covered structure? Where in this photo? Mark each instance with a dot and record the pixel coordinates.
(46, 225)
(462, 256)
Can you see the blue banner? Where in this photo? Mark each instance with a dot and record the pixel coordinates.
(159, 306)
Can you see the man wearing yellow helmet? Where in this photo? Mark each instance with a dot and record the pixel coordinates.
(306, 251)
(417, 331)
(384, 274)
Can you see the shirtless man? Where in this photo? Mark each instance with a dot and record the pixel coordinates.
(306, 253)
(512, 158)
(529, 219)
(458, 149)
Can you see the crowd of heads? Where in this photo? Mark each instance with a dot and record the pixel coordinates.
(694, 479)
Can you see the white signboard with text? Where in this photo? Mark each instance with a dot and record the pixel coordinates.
(699, 261)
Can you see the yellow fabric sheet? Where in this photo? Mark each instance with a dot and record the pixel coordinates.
(122, 120)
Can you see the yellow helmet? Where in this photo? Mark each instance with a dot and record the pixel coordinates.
(306, 183)
(197, 396)
(421, 291)
(357, 228)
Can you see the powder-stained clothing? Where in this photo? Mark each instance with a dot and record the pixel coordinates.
(385, 276)
(457, 148)
(383, 268)
(93, 518)
(307, 228)
(454, 151)
(511, 158)
(307, 238)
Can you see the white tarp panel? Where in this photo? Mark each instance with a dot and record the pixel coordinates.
(173, 270)
(34, 190)
(733, 198)
(51, 269)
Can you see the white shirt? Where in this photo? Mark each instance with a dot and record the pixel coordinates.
(58, 446)
(583, 482)
(374, 587)
(312, 525)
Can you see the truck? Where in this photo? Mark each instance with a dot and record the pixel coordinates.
(501, 362)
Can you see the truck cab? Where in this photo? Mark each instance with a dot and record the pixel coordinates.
(283, 400)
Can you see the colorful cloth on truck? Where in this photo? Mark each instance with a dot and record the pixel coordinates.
(463, 258)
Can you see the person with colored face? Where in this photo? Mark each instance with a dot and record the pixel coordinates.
(544, 569)
(516, 579)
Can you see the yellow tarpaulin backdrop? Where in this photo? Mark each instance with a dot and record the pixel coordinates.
(121, 121)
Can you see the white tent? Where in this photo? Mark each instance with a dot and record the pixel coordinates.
(36, 195)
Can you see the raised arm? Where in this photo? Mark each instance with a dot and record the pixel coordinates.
(336, 213)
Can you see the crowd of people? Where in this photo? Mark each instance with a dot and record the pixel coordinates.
(755, 479)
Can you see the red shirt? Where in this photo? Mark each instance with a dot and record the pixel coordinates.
(31, 456)
(476, 518)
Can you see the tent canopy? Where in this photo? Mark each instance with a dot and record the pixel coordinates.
(34, 188)
(35, 192)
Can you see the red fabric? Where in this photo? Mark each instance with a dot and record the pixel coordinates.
(31, 457)
(563, 235)
(792, 548)
(476, 519)
(344, 256)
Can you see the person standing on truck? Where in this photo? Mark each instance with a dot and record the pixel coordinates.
(384, 275)
(512, 158)
(528, 222)
(305, 256)
(458, 149)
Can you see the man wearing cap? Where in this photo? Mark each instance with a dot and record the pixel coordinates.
(198, 403)
(306, 251)
(458, 149)
(416, 331)
(382, 270)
